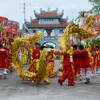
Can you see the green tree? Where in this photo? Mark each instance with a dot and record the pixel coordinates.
(80, 16)
(96, 6)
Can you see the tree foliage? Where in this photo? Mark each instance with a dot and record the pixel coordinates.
(80, 15)
(96, 6)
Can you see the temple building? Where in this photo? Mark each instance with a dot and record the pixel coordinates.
(50, 23)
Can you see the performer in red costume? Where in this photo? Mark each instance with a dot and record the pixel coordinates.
(3, 56)
(35, 56)
(76, 60)
(85, 64)
(97, 60)
(92, 62)
(67, 71)
(7, 59)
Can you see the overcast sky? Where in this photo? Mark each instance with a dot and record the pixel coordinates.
(13, 9)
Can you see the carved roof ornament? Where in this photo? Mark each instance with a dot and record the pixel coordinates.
(49, 9)
(34, 11)
(41, 10)
(49, 14)
(62, 11)
(56, 9)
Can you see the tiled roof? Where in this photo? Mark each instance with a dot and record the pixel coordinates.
(34, 23)
(48, 14)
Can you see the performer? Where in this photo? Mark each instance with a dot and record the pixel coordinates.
(35, 60)
(50, 65)
(7, 59)
(28, 58)
(96, 60)
(67, 68)
(46, 76)
(20, 54)
(10, 56)
(35, 56)
(3, 57)
(37, 51)
(92, 63)
(85, 64)
(24, 56)
(91, 57)
(99, 59)
(76, 60)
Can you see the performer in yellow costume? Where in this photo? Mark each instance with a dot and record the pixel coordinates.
(50, 65)
(46, 77)
(35, 62)
(24, 56)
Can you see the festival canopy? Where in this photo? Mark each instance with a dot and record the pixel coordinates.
(3, 19)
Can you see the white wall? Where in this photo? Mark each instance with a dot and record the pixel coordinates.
(48, 21)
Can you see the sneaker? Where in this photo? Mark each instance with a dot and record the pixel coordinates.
(60, 82)
(87, 81)
(5, 77)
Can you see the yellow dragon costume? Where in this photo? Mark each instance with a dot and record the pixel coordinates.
(42, 64)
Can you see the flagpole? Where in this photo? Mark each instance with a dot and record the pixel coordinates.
(24, 12)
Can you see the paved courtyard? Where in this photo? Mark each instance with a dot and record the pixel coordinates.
(14, 89)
